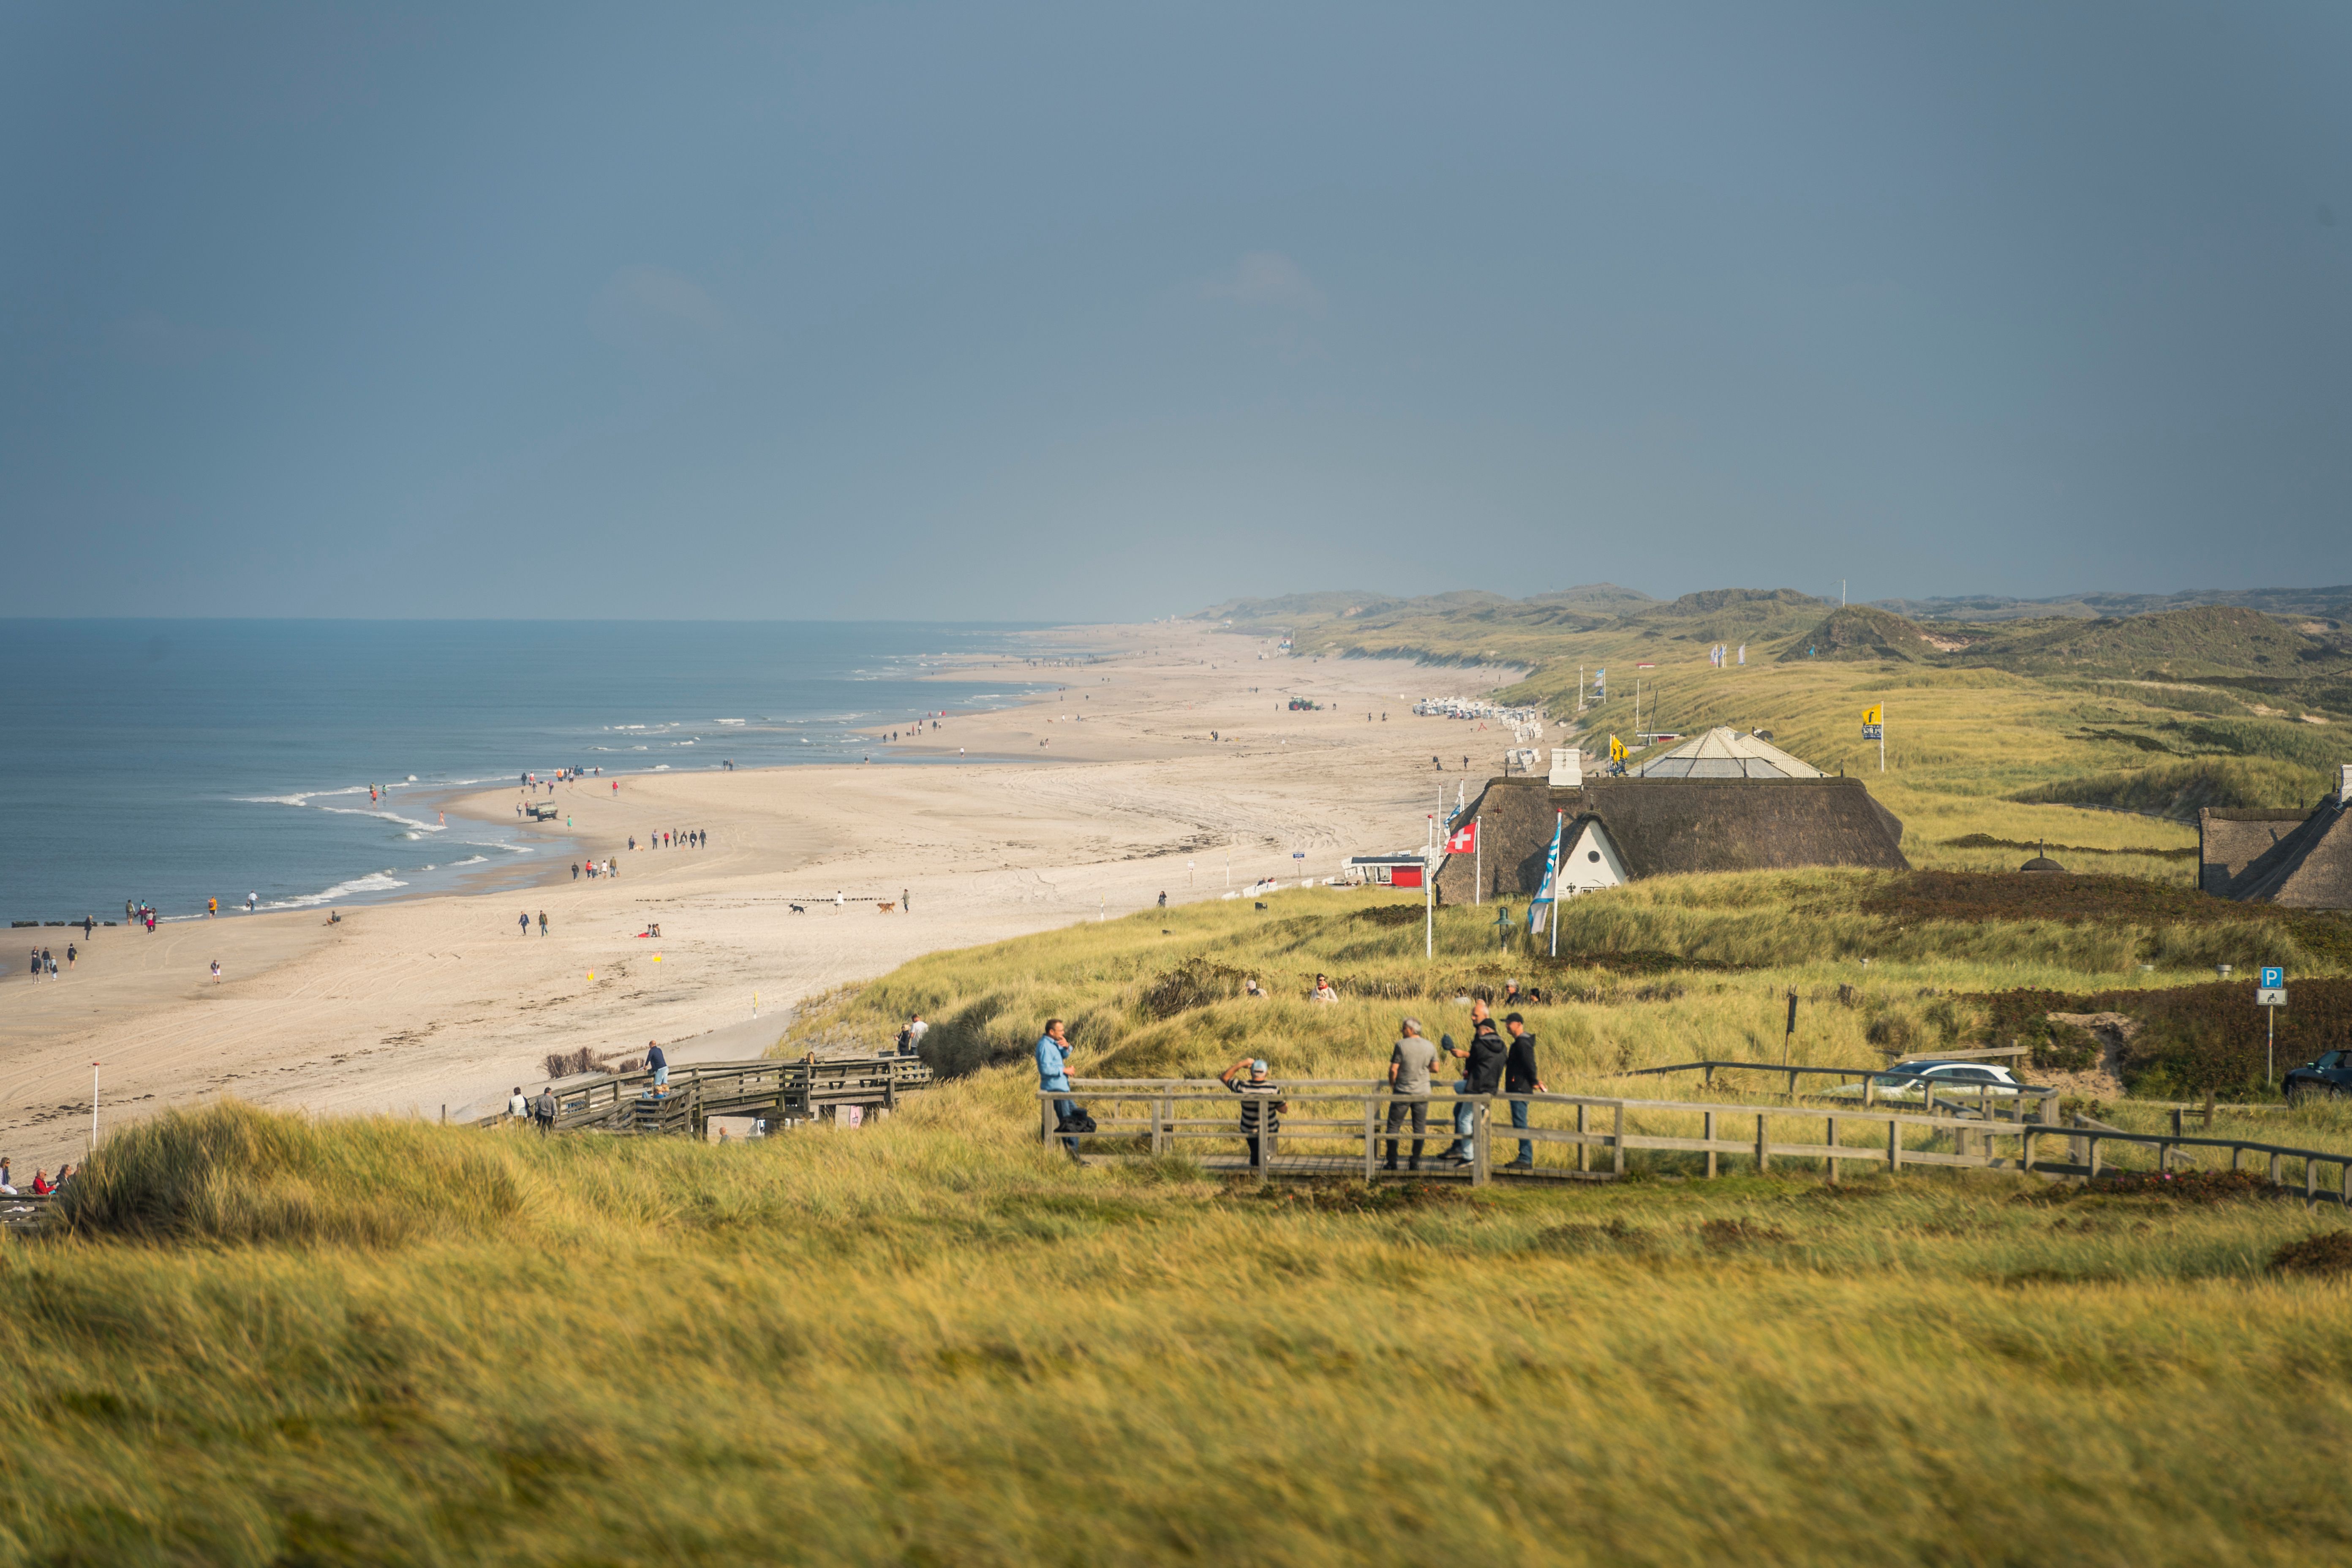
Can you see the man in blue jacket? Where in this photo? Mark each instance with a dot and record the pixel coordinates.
(1052, 1050)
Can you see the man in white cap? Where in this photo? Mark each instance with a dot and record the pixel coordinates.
(1262, 1107)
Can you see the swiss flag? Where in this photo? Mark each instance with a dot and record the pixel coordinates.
(1464, 840)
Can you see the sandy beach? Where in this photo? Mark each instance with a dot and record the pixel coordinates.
(412, 1005)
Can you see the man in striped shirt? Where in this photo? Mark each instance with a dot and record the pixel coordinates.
(1261, 1106)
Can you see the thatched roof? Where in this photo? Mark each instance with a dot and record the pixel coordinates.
(2309, 868)
(2230, 839)
(1726, 753)
(1663, 828)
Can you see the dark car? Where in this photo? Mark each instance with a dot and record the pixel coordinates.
(2331, 1075)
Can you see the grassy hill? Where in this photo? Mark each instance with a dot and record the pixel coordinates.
(261, 1338)
(1995, 728)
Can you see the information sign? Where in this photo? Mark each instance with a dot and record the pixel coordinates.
(2273, 977)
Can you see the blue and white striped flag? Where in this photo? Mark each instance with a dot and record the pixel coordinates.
(1552, 875)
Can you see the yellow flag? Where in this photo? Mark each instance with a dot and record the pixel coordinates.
(1616, 749)
(1870, 715)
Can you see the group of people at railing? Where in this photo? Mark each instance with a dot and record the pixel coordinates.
(1498, 1060)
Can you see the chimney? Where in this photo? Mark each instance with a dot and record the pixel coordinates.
(1568, 767)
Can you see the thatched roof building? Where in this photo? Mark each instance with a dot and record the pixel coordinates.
(1621, 829)
(2302, 859)
(1724, 752)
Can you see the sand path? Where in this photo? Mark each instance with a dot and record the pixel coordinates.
(428, 1001)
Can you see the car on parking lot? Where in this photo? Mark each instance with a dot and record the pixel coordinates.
(1947, 1079)
(2326, 1079)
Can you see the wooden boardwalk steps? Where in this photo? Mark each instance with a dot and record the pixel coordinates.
(776, 1091)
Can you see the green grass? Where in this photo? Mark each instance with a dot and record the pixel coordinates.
(258, 1339)
(930, 1341)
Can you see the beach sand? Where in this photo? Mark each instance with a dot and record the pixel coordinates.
(412, 1005)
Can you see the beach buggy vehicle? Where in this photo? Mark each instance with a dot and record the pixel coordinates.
(541, 813)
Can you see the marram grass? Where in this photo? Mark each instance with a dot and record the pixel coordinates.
(253, 1338)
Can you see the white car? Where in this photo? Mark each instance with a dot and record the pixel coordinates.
(1963, 1081)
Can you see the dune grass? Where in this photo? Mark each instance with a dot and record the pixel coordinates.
(251, 1338)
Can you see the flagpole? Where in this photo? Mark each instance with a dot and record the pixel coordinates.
(1478, 864)
(1882, 736)
(1559, 822)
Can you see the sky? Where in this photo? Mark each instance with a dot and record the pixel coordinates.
(1110, 312)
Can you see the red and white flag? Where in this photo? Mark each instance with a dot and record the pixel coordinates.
(1464, 838)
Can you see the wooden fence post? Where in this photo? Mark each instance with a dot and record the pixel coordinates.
(1045, 1119)
(1371, 1103)
(2310, 1183)
(1894, 1145)
(1833, 1161)
(1583, 1150)
(2274, 1171)
(1707, 1129)
(1763, 1149)
(2094, 1143)
(1617, 1142)
(1482, 1150)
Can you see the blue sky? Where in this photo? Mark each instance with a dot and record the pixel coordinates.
(1105, 312)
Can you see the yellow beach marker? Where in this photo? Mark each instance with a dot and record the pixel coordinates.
(657, 958)
(592, 975)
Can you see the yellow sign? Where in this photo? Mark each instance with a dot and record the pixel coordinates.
(657, 958)
(1616, 749)
(1870, 715)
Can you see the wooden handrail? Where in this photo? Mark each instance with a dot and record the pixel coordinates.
(1164, 1126)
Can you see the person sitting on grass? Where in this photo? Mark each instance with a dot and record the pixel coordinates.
(41, 1184)
(1323, 992)
(1260, 1110)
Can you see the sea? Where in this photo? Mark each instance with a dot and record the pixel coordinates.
(171, 762)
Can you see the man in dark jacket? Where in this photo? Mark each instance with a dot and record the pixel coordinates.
(1520, 1077)
(1483, 1070)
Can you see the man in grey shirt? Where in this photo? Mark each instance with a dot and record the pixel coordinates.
(1408, 1064)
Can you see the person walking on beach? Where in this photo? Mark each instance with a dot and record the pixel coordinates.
(87, 925)
(212, 908)
(72, 952)
(517, 1105)
(1410, 1060)
(575, 870)
(522, 922)
(543, 1111)
(542, 922)
(216, 971)
(1520, 1077)
(1053, 1053)
(1261, 1109)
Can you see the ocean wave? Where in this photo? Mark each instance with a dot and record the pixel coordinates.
(469, 860)
(373, 882)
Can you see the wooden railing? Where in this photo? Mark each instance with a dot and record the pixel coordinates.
(625, 1103)
(1935, 1089)
(1593, 1131)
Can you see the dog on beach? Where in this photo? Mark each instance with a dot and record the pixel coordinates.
(796, 909)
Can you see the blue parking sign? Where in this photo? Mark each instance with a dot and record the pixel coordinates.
(2273, 977)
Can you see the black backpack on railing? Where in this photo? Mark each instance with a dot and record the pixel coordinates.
(1077, 1121)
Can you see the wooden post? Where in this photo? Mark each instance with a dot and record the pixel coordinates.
(2344, 1184)
(2310, 1183)
(1708, 1128)
(2274, 1170)
(2235, 1151)
(1583, 1150)
(2209, 1110)
(1617, 1142)
(2025, 1148)
(1763, 1149)
(1482, 1146)
(1870, 1091)
(1894, 1145)
(1833, 1161)
(1792, 1084)
(1044, 1118)
(2094, 1143)
(1709, 1079)
(1372, 1104)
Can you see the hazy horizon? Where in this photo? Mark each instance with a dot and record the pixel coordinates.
(1052, 313)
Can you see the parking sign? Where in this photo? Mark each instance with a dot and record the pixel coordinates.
(2273, 977)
